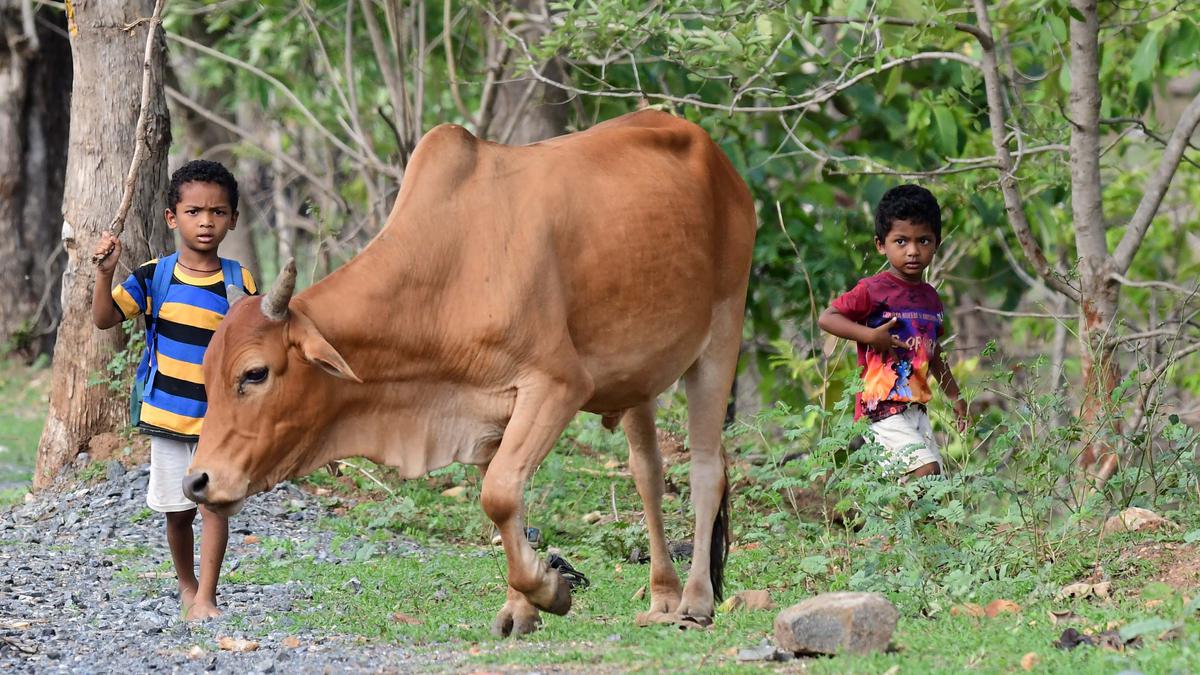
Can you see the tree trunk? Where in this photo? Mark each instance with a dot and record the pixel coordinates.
(1098, 294)
(526, 110)
(18, 44)
(47, 121)
(104, 109)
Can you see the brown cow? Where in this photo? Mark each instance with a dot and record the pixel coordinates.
(511, 288)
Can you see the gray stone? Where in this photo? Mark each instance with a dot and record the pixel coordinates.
(115, 470)
(837, 623)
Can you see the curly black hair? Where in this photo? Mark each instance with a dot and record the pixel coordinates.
(908, 202)
(202, 171)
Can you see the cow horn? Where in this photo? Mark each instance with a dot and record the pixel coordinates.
(234, 294)
(275, 305)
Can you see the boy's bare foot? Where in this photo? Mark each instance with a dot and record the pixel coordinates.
(187, 595)
(201, 610)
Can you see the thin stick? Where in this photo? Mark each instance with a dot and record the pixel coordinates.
(370, 475)
(612, 495)
(140, 144)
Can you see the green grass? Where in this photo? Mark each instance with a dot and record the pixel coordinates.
(456, 586)
(455, 590)
(23, 392)
(926, 550)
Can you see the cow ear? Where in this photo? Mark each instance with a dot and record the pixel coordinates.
(315, 349)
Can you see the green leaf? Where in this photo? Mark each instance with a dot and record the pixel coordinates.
(1192, 537)
(1145, 627)
(1145, 58)
(1058, 27)
(1075, 14)
(814, 564)
(893, 83)
(947, 130)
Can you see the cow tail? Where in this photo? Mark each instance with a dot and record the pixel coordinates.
(719, 546)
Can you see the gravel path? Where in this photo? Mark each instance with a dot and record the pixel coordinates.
(66, 605)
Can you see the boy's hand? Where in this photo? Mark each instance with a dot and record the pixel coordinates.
(107, 253)
(962, 419)
(882, 339)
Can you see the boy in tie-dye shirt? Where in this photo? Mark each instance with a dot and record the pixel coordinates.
(896, 319)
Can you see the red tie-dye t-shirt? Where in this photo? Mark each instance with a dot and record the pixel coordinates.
(893, 380)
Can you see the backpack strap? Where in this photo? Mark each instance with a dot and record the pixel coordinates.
(163, 271)
(232, 271)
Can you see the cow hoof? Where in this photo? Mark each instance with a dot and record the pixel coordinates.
(560, 604)
(518, 621)
(652, 617)
(681, 621)
(687, 622)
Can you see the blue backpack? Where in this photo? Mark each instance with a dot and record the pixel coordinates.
(143, 381)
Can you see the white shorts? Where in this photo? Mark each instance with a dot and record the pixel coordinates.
(169, 460)
(907, 440)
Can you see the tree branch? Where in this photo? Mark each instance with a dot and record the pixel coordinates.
(1150, 132)
(140, 143)
(1134, 337)
(811, 98)
(253, 139)
(1153, 284)
(355, 131)
(1013, 202)
(1156, 188)
(984, 39)
(1024, 315)
(370, 161)
(391, 79)
(451, 68)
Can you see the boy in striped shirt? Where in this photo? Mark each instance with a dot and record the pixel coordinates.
(202, 208)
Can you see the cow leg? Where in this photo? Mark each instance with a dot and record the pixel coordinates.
(646, 464)
(539, 417)
(518, 616)
(708, 384)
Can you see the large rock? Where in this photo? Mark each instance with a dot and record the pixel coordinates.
(1135, 519)
(837, 623)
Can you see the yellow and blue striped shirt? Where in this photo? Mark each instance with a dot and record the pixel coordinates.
(189, 315)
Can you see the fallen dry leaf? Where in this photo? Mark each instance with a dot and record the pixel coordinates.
(195, 653)
(250, 539)
(1151, 604)
(232, 644)
(967, 609)
(1082, 589)
(291, 642)
(1062, 616)
(592, 517)
(756, 599)
(1030, 660)
(998, 607)
(1075, 590)
(641, 593)
(456, 492)
(401, 617)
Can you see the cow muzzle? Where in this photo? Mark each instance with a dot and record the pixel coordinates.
(197, 487)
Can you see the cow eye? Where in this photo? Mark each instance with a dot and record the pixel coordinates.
(254, 375)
